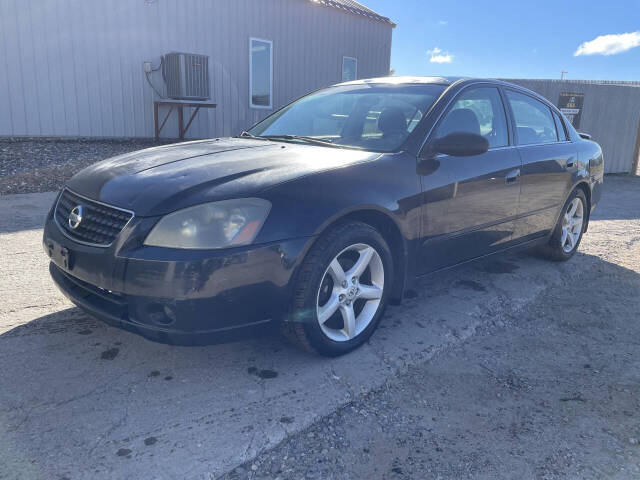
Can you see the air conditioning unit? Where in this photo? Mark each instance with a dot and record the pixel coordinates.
(186, 76)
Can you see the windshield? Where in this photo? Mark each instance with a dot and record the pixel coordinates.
(370, 116)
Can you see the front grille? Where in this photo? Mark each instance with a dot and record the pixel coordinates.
(100, 224)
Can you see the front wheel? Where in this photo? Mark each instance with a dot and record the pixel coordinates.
(568, 232)
(342, 290)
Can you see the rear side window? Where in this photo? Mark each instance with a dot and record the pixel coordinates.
(562, 134)
(479, 111)
(534, 122)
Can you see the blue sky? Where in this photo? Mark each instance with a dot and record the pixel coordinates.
(515, 39)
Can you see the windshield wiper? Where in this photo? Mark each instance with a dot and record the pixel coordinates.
(246, 134)
(302, 138)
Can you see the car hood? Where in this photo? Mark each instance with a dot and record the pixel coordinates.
(163, 179)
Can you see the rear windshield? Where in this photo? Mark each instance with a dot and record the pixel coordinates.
(371, 117)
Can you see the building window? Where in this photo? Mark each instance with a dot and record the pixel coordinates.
(260, 73)
(349, 69)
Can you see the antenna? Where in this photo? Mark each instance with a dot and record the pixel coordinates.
(562, 74)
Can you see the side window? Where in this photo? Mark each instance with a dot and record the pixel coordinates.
(479, 111)
(562, 133)
(534, 123)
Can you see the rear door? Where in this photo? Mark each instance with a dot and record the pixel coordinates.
(470, 203)
(548, 161)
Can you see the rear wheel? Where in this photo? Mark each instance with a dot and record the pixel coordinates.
(342, 290)
(568, 232)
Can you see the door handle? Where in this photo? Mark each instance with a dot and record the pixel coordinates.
(512, 176)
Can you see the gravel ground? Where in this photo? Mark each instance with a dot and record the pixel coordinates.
(28, 166)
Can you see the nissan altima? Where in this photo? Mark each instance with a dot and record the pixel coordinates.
(317, 217)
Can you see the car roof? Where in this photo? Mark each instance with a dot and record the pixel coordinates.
(425, 80)
(405, 80)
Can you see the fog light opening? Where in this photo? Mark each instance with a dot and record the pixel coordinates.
(168, 311)
(161, 314)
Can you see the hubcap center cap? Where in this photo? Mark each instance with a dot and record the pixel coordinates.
(351, 293)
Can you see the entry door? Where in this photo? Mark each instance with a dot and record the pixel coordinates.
(470, 203)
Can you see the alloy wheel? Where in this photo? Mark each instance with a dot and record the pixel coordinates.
(350, 292)
(572, 225)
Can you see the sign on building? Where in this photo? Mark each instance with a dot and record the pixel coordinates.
(570, 104)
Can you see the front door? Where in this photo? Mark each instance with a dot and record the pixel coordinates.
(470, 203)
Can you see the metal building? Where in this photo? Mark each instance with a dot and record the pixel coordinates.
(608, 111)
(75, 68)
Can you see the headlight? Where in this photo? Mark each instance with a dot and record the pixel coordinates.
(228, 223)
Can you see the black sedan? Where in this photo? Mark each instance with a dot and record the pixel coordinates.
(323, 213)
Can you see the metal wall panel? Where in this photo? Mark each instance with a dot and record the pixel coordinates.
(75, 67)
(610, 113)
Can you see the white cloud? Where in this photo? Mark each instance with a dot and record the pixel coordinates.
(438, 56)
(443, 22)
(609, 44)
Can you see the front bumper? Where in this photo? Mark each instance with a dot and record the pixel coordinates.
(176, 296)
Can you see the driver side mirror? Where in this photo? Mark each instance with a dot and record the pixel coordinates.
(460, 144)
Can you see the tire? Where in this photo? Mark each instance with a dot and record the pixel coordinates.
(318, 289)
(558, 249)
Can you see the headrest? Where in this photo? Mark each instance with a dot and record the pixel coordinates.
(459, 120)
(392, 120)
